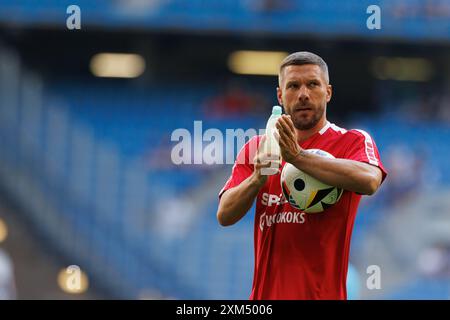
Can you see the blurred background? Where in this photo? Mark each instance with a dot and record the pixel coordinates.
(87, 114)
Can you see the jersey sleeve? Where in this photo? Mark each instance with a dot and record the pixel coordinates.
(363, 148)
(243, 165)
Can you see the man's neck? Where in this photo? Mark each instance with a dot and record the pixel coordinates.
(303, 135)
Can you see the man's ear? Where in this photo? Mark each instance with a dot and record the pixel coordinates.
(329, 92)
(280, 96)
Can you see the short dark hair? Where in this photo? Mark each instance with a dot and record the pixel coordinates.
(305, 57)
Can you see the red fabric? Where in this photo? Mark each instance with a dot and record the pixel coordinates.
(299, 255)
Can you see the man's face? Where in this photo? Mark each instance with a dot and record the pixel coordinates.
(304, 94)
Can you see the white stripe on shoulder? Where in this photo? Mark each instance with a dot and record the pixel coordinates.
(369, 148)
(337, 129)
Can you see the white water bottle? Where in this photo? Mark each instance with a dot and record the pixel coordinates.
(271, 145)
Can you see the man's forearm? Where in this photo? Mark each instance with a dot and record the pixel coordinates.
(343, 173)
(237, 201)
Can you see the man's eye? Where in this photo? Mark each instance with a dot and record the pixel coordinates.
(292, 86)
(313, 84)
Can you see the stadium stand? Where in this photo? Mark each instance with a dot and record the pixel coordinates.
(88, 161)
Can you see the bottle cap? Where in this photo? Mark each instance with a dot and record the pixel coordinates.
(276, 110)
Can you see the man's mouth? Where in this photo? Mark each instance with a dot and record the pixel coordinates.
(302, 109)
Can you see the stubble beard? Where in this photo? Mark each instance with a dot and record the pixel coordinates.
(306, 122)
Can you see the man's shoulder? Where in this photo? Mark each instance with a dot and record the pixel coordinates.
(351, 134)
(359, 134)
(248, 150)
(253, 141)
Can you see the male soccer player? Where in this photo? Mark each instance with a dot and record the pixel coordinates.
(299, 255)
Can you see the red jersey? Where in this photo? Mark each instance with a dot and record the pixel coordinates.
(300, 255)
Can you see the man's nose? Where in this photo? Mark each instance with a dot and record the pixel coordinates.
(303, 93)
